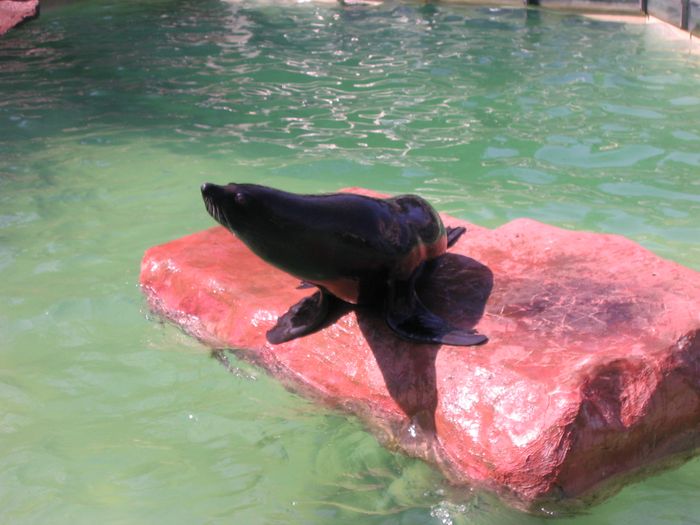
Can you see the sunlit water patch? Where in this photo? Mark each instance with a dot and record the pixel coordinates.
(113, 113)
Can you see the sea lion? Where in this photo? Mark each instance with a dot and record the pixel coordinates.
(355, 248)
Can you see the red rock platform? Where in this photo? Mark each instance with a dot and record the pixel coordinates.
(591, 373)
(14, 12)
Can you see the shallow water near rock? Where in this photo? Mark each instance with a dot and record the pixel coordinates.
(113, 113)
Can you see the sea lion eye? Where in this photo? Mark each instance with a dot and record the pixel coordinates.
(240, 198)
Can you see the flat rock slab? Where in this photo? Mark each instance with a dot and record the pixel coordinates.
(591, 373)
(14, 12)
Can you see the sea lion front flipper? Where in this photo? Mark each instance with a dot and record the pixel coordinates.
(409, 318)
(453, 234)
(302, 318)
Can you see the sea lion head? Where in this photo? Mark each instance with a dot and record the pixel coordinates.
(231, 205)
(272, 223)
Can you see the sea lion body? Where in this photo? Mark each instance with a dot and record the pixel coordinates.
(359, 249)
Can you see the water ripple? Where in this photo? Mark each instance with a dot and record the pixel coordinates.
(113, 112)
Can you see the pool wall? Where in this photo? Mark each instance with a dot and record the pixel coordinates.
(675, 12)
(694, 17)
(684, 14)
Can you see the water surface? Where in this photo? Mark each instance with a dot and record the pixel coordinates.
(112, 114)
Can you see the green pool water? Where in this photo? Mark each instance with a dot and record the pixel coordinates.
(112, 113)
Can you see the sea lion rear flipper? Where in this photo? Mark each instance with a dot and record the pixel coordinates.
(302, 318)
(409, 318)
(453, 234)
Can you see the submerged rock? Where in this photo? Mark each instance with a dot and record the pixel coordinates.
(14, 12)
(590, 375)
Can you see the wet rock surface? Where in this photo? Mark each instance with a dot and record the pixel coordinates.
(591, 373)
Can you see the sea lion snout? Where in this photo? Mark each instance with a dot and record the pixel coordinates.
(212, 191)
(217, 193)
(226, 203)
(213, 194)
